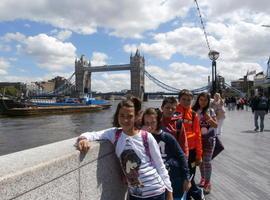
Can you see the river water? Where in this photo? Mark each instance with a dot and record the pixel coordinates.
(19, 133)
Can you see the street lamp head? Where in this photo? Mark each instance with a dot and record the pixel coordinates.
(213, 55)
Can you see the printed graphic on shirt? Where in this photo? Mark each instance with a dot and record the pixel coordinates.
(203, 123)
(162, 146)
(131, 163)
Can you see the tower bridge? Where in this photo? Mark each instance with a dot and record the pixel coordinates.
(84, 70)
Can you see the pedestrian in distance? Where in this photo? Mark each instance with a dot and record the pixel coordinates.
(172, 154)
(218, 105)
(208, 124)
(146, 175)
(193, 132)
(260, 107)
(246, 103)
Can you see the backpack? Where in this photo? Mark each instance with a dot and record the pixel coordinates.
(179, 124)
(262, 104)
(145, 142)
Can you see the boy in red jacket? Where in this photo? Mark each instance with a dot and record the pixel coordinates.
(173, 123)
(193, 132)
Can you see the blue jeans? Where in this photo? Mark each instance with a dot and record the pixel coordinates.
(158, 197)
(261, 114)
(177, 185)
(184, 197)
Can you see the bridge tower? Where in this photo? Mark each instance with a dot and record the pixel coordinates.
(83, 76)
(137, 67)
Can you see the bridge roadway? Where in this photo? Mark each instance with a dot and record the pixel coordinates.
(242, 170)
(106, 68)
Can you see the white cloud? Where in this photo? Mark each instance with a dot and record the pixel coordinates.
(99, 59)
(29, 79)
(24, 79)
(4, 65)
(107, 82)
(227, 7)
(160, 50)
(241, 41)
(125, 18)
(2, 72)
(48, 52)
(229, 40)
(63, 35)
(185, 40)
(14, 36)
(235, 70)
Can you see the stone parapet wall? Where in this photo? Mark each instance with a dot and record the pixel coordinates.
(58, 171)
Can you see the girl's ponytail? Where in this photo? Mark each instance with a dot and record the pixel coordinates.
(137, 104)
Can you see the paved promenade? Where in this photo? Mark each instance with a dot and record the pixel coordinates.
(242, 171)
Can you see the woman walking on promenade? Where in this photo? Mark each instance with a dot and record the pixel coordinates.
(138, 152)
(208, 124)
(171, 152)
(218, 105)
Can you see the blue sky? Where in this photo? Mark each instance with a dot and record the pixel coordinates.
(42, 39)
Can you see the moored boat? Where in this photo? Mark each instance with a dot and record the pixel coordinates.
(35, 110)
(73, 102)
(12, 107)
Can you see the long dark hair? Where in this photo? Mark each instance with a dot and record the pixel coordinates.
(131, 102)
(156, 112)
(196, 106)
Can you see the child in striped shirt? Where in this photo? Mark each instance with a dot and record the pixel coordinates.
(138, 152)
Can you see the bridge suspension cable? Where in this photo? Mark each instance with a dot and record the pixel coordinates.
(170, 88)
(62, 89)
(161, 84)
(234, 89)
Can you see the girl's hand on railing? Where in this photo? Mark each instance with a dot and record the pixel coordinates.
(83, 145)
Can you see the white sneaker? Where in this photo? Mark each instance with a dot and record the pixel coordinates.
(202, 195)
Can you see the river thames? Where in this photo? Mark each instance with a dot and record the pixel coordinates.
(19, 133)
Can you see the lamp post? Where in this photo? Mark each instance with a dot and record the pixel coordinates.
(213, 55)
